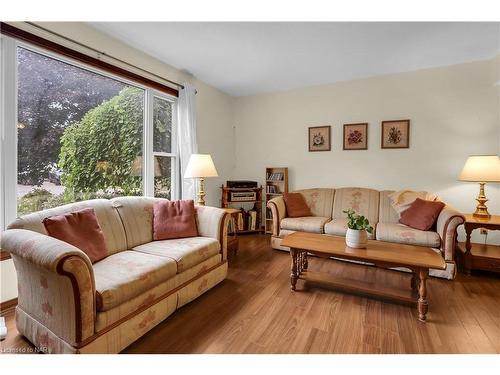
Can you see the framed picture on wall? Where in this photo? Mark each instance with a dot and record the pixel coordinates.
(319, 138)
(396, 134)
(356, 136)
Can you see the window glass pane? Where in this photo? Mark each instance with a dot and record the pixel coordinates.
(79, 134)
(162, 125)
(163, 176)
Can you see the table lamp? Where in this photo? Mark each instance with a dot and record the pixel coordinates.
(482, 169)
(200, 166)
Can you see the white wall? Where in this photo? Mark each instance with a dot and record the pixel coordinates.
(8, 280)
(453, 113)
(213, 112)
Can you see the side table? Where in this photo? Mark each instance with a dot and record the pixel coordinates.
(481, 257)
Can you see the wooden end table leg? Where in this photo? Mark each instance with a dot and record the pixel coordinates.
(422, 304)
(467, 262)
(294, 274)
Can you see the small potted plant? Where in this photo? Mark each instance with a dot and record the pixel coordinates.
(357, 226)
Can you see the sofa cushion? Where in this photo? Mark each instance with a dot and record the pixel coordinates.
(421, 214)
(364, 201)
(80, 229)
(338, 227)
(403, 199)
(175, 219)
(108, 219)
(187, 252)
(312, 224)
(296, 205)
(125, 275)
(320, 201)
(387, 213)
(399, 233)
(136, 214)
(143, 300)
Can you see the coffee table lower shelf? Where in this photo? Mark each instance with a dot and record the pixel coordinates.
(365, 288)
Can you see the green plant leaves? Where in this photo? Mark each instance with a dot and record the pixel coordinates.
(357, 222)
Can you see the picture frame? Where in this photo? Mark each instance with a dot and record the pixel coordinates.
(395, 134)
(355, 136)
(320, 138)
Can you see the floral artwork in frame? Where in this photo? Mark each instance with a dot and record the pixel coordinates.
(396, 134)
(356, 136)
(319, 138)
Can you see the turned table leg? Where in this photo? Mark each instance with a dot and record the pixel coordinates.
(294, 274)
(423, 306)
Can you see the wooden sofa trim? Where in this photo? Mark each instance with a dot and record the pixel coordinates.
(87, 341)
(445, 229)
(76, 296)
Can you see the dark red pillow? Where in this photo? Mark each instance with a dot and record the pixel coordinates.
(175, 219)
(296, 205)
(80, 229)
(421, 214)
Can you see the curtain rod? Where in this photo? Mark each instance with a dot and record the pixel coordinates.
(101, 53)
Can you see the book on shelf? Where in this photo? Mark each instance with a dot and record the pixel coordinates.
(252, 220)
(272, 189)
(277, 176)
(241, 223)
(231, 228)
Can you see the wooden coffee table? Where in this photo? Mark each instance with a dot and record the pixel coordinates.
(382, 254)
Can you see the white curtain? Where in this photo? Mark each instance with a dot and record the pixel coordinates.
(187, 137)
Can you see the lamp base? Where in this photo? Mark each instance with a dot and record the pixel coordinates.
(481, 209)
(201, 192)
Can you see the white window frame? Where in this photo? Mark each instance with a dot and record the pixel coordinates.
(8, 126)
(174, 155)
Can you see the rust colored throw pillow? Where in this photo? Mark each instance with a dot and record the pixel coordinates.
(176, 219)
(80, 229)
(296, 205)
(421, 214)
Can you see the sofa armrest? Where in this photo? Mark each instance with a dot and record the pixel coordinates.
(447, 223)
(278, 211)
(213, 222)
(56, 285)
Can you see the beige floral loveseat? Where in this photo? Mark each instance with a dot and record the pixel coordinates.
(68, 305)
(327, 205)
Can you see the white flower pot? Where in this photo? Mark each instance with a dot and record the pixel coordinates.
(357, 239)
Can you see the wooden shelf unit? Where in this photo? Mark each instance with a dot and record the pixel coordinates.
(276, 185)
(226, 202)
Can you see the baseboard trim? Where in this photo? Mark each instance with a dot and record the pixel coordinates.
(8, 305)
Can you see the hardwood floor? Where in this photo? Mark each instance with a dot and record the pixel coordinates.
(254, 311)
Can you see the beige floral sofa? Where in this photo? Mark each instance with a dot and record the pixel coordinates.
(327, 205)
(68, 305)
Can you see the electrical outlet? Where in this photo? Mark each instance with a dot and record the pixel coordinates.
(483, 231)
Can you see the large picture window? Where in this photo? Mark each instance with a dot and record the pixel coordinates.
(81, 134)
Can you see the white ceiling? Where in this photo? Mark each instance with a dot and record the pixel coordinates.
(250, 58)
